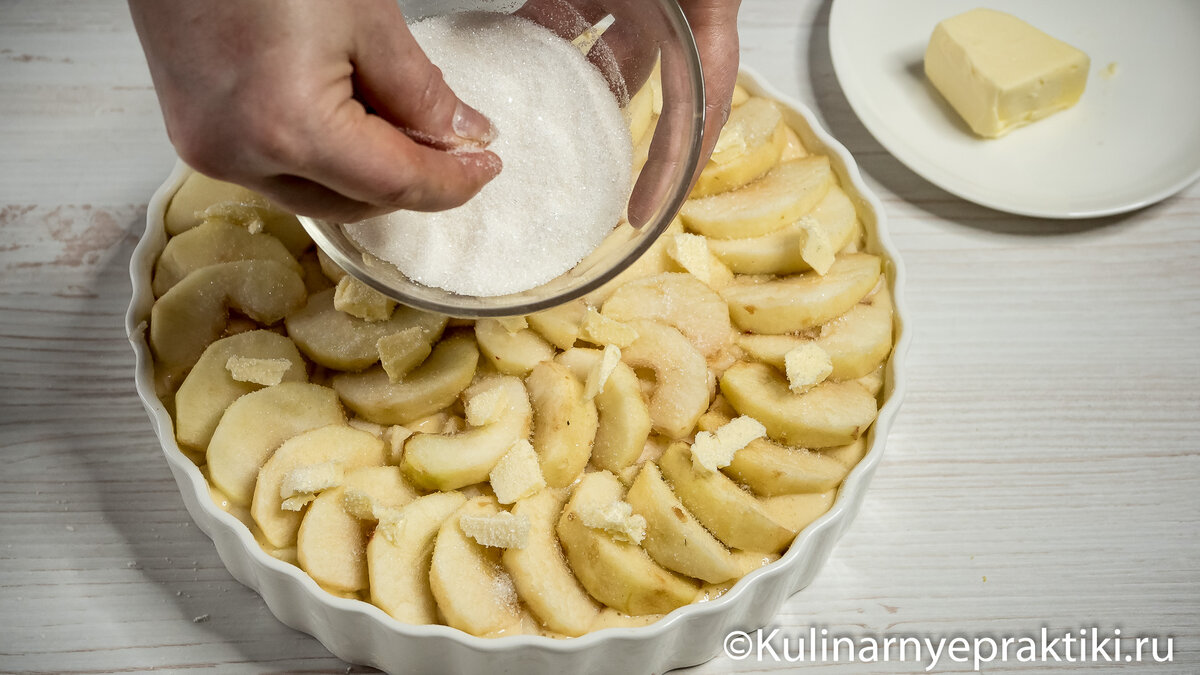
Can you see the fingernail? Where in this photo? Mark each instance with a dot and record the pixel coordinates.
(488, 161)
(469, 124)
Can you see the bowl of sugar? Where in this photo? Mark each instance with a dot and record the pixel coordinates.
(599, 111)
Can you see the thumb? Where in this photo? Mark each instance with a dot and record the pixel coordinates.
(395, 77)
(714, 24)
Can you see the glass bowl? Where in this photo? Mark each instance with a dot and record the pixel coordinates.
(641, 32)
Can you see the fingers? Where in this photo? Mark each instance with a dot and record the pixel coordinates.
(714, 24)
(300, 195)
(420, 150)
(395, 77)
(366, 159)
(360, 162)
(624, 55)
(270, 94)
(668, 144)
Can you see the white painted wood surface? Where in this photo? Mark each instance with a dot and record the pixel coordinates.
(1044, 471)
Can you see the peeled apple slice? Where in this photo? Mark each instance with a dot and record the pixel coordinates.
(540, 572)
(199, 192)
(192, 315)
(780, 251)
(830, 414)
(257, 424)
(214, 241)
(789, 191)
(803, 301)
(617, 573)
(750, 143)
(209, 388)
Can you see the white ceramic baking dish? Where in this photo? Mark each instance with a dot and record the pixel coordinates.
(362, 633)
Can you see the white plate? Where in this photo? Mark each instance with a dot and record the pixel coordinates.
(1132, 140)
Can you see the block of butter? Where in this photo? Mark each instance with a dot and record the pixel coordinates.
(1001, 73)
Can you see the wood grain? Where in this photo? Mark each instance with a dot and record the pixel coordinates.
(1044, 471)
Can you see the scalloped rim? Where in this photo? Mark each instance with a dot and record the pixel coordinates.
(642, 645)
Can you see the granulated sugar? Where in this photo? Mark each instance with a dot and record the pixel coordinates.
(567, 163)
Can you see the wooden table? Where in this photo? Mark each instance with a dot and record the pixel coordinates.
(1043, 472)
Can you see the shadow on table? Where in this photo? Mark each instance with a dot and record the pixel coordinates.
(140, 500)
(880, 165)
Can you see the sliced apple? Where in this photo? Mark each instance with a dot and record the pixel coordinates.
(430, 424)
(348, 447)
(617, 573)
(780, 198)
(655, 260)
(872, 382)
(779, 252)
(473, 592)
(623, 418)
(214, 241)
(256, 424)
(315, 280)
(832, 413)
(681, 392)
(798, 511)
(199, 192)
(193, 314)
(803, 301)
(770, 349)
(398, 566)
(861, 339)
(740, 95)
(338, 340)
(427, 389)
(771, 469)
(540, 572)
(639, 112)
(209, 388)
(794, 147)
(511, 353)
(332, 542)
(674, 538)
(747, 562)
(849, 455)
(330, 268)
(676, 299)
(751, 142)
(691, 252)
(560, 325)
(602, 331)
(374, 491)
(733, 515)
(450, 461)
(837, 216)
(775, 252)
(641, 151)
(564, 422)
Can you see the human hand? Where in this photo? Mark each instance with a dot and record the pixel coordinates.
(714, 25)
(329, 109)
(626, 55)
